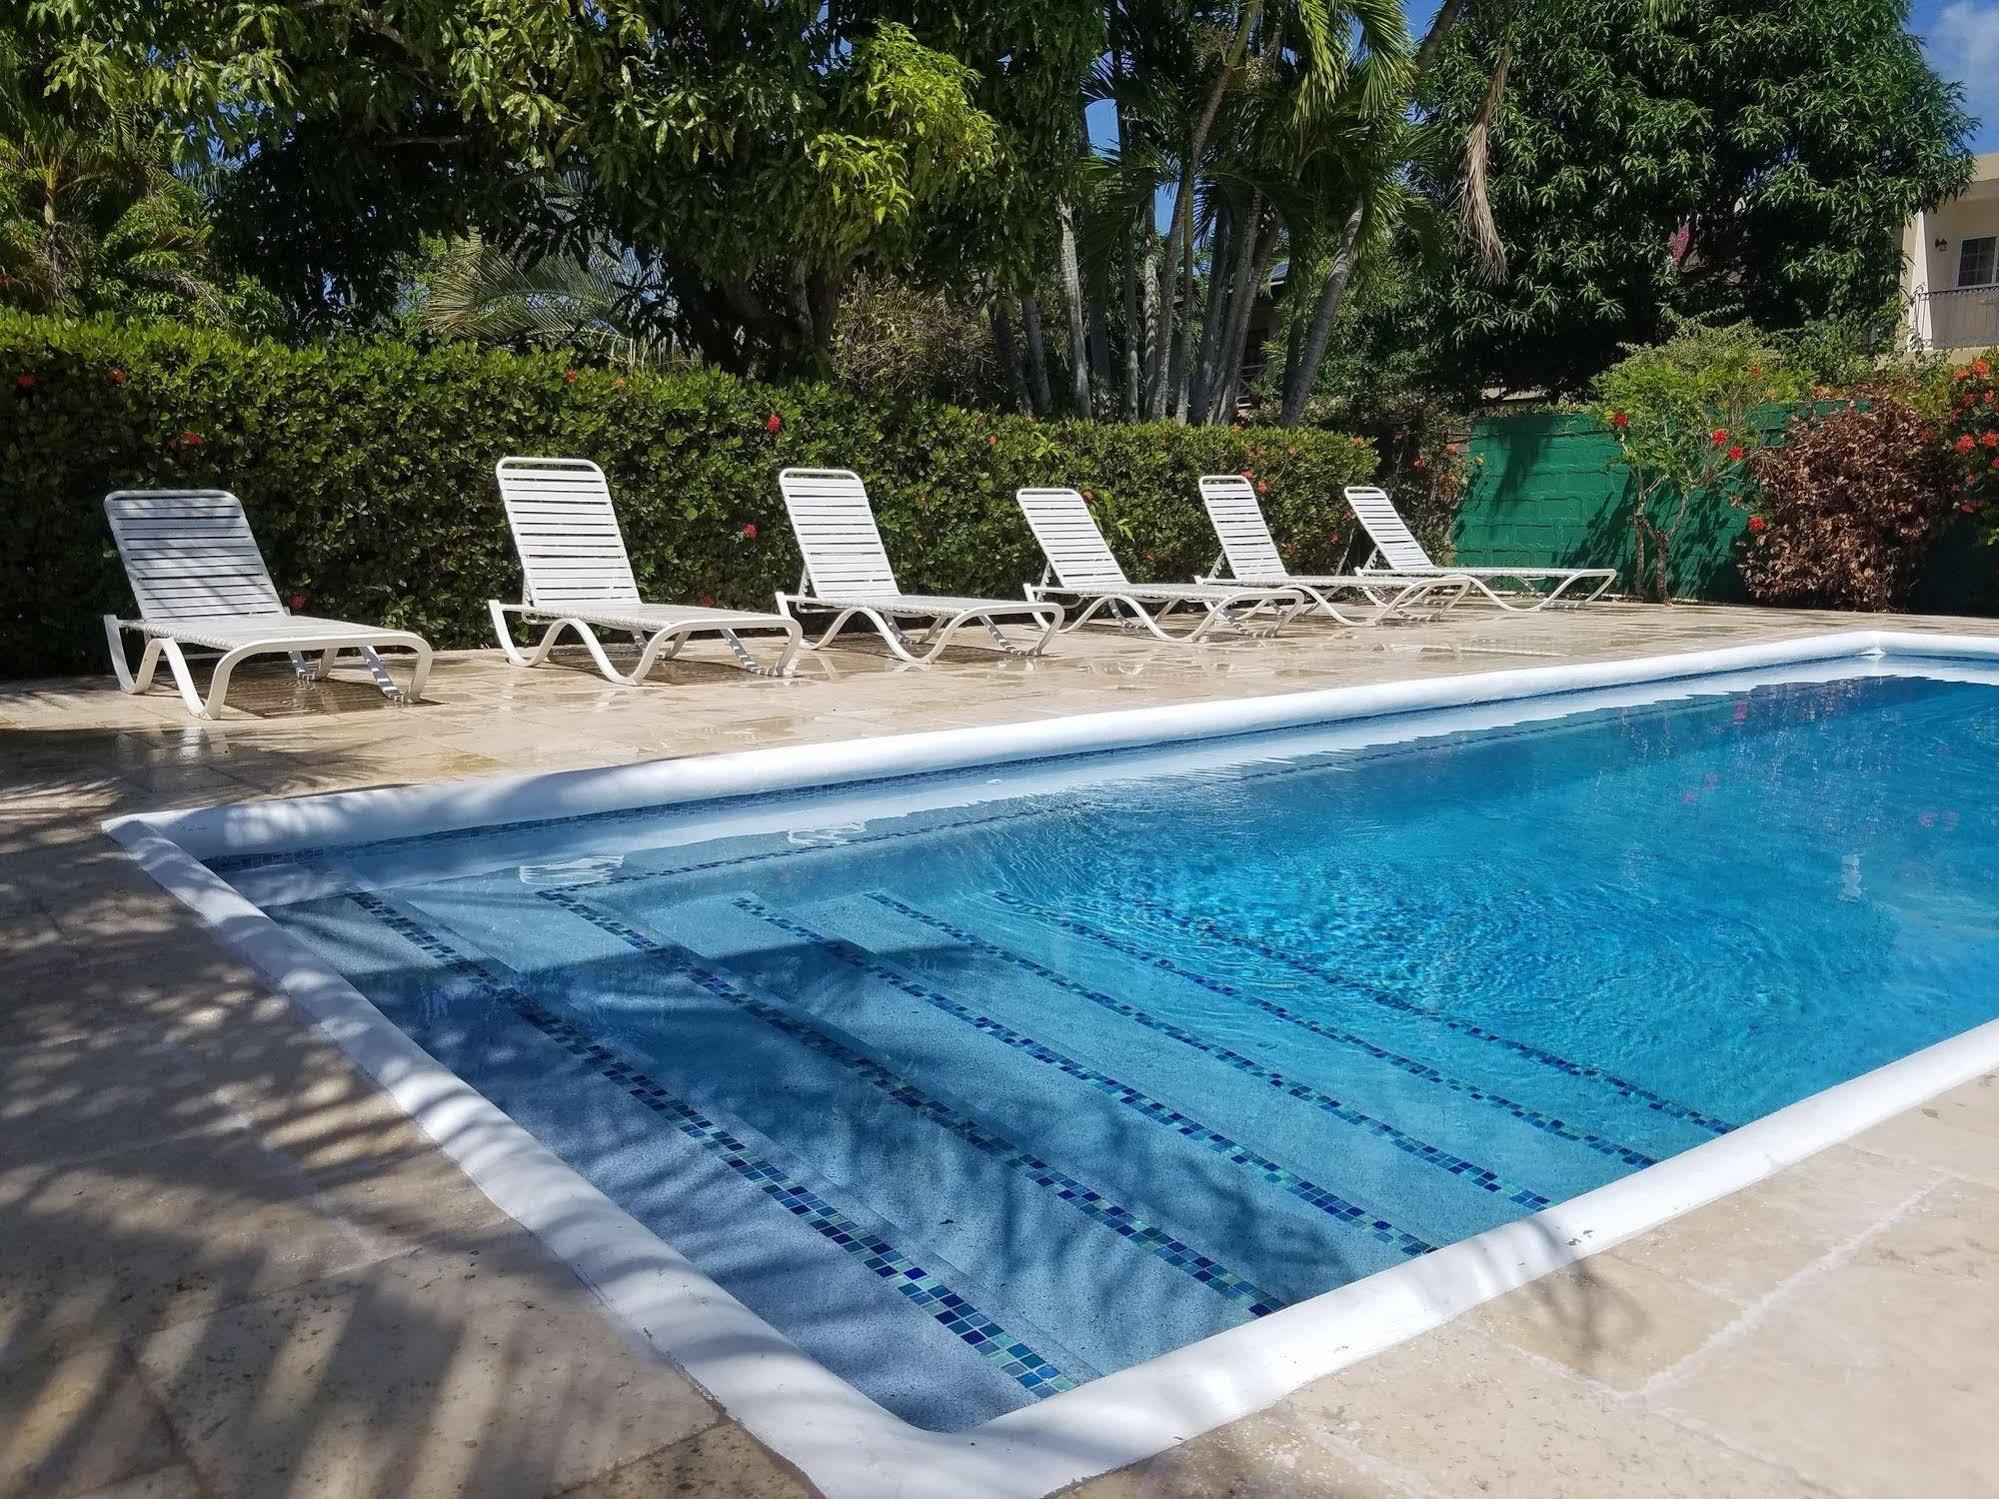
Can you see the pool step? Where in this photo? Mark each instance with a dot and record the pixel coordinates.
(1317, 1136)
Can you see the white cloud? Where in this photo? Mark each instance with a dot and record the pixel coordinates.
(1963, 44)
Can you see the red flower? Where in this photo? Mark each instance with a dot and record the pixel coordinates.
(1964, 444)
(25, 383)
(750, 531)
(706, 601)
(1089, 494)
(1960, 373)
(1419, 463)
(117, 377)
(773, 423)
(1718, 436)
(1755, 369)
(570, 377)
(1620, 419)
(1261, 487)
(1149, 557)
(297, 601)
(189, 439)
(1247, 474)
(1757, 523)
(1989, 440)
(1359, 442)
(1981, 368)
(1735, 451)
(1450, 447)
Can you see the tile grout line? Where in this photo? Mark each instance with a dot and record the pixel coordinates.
(1648, 1394)
(1629, 1402)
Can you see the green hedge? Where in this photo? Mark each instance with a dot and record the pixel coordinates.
(367, 470)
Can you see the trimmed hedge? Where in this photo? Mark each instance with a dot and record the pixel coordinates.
(367, 471)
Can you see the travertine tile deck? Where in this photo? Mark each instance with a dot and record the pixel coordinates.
(229, 1267)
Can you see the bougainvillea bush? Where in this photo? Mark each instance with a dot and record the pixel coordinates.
(367, 471)
(1970, 430)
(1846, 507)
(1687, 413)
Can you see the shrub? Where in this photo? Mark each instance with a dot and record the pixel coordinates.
(1850, 502)
(1685, 414)
(1970, 430)
(367, 469)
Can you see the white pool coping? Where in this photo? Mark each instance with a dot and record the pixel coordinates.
(840, 1440)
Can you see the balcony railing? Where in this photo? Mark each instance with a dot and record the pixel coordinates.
(1965, 318)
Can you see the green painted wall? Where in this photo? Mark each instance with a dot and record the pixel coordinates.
(1548, 494)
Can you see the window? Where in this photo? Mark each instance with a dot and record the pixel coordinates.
(1978, 261)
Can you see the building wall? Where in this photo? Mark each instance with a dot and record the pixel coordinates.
(1932, 245)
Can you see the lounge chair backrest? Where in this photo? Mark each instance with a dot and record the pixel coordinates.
(572, 553)
(189, 553)
(1239, 522)
(1392, 537)
(1068, 533)
(836, 532)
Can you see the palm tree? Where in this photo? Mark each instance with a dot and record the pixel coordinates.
(596, 298)
(97, 220)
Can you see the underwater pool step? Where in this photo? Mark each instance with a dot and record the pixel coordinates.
(1289, 1127)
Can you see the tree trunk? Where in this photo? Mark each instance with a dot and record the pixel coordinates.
(1037, 356)
(1179, 241)
(1009, 354)
(1331, 295)
(1221, 285)
(1134, 337)
(1236, 347)
(1072, 308)
(1152, 330)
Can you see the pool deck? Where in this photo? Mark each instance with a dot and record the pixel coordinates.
(229, 1266)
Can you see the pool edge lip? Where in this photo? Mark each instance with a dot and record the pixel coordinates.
(840, 1440)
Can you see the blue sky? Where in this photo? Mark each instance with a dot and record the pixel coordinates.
(1962, 37)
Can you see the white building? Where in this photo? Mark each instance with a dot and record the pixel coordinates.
(1950, 267)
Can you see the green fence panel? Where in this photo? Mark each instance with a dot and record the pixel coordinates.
(1549, 493)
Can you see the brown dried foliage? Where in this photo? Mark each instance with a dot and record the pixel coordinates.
(1851, 501)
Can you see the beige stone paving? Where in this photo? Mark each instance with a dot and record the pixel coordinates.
(228, 1266)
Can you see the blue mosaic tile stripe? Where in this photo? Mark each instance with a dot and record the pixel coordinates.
(1321, 1198)
(1635, 1092)
(1483, 1177)
(1539, 1119)
(916, 1285)
(1121, 1220)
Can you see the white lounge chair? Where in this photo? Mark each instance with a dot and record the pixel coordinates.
(1082, 567)
(1252, 557)
(200, 581)
(1402, 556)
(847, 573)
(577, 576)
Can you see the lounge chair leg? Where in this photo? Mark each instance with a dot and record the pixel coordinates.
(380, 673)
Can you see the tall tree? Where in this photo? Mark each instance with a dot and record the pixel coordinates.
(1713, 158)
(752, 155)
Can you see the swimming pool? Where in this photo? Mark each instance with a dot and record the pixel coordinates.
(984, 1085)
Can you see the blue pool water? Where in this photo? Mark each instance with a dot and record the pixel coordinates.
(979, 1095)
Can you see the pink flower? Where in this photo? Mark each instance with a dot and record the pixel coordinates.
(750, 531)
(1261, 487)
(297, 601)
